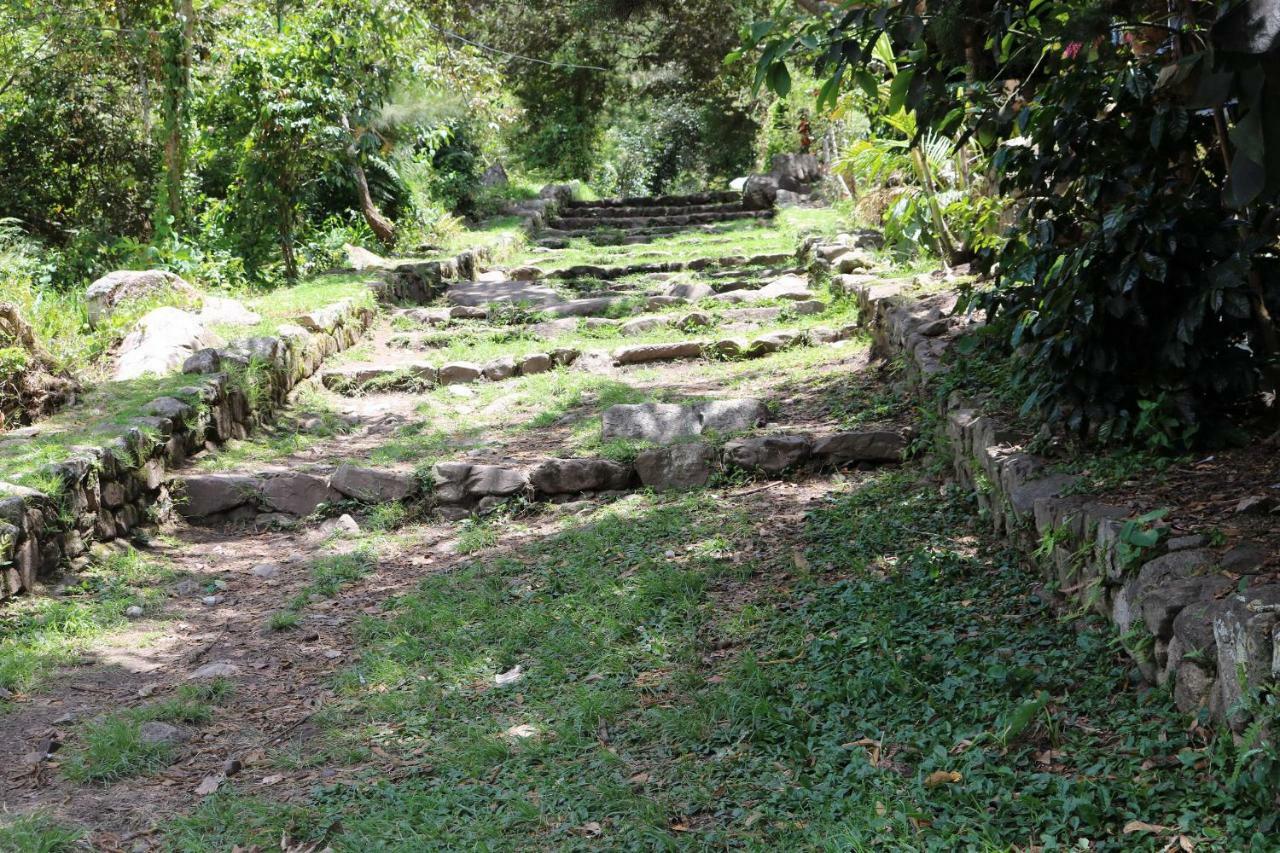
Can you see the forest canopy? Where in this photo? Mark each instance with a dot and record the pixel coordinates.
(244, 142)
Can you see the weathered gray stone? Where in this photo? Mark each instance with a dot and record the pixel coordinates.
(692, 291)
(500, 369)
(1244, 628)
(771, 454)
(760, 192)
(645, 353)
(641, 325)
(664, 423)
(495, 481)
(296, 493)
(373, 485)
(794, 287)
(450, 479)
(169, 407)
(534, 363)
(203, 495)
(861, 446)
(161, 343)
(774, 342)
(460, 373)
(680, 466)
(156, 733)
(116, 288)
(567, 476)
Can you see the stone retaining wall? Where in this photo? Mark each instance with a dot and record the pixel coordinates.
(1197, 616)
(108, 490)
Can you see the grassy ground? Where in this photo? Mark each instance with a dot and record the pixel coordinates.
(744, 237)
(692, 677)
(40, 633)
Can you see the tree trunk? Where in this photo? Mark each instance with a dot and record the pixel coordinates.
(382, 227)
(175, 96)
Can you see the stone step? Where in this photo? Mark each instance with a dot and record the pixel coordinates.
(423, 376)
(631, 223)
(552, 239)
(714, 197)
(695, 265)
(658, 210)
(459, 489)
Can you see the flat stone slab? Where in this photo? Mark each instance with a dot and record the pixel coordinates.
(645, 353)
(478, 294)
(861, 446)
(663, 423)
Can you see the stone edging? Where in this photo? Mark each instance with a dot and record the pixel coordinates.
(459, 489)
(1175, 605)
(109, 490)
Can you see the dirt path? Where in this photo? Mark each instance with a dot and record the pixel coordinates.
(273, 677)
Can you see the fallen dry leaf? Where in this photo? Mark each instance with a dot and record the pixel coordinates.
(210, 784)
(521, 731)
(942, 777)
(591, 829)
(271, 780)
(1142, 826)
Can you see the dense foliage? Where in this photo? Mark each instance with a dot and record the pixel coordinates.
(1131, 145)
(244, 143)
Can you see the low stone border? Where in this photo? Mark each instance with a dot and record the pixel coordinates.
(426, 375)
(459, 489)
(1177, 605)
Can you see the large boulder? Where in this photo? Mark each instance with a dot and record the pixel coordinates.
(494, 176)
(567, 476)
(680, 466)
(161, 343)
(116, 288)
(796, 172)
(360, 258)
(373, 485)
(663, 423)
(760, 192)
(227, 312)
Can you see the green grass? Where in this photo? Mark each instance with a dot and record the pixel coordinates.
(282, 305)
(743, 237)
(883, 681)
(37, 833)
(110, 748)
(284, 620)
(104, 412)
(40, 633)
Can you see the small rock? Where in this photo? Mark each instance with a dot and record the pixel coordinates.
(133, 612)
(231, 767)
(147, 690)
(511, 676)
(155, 732)
(211, 600)
(218, 669)
(265, 570)
(5, 695)
(344, 525)
(669, 554)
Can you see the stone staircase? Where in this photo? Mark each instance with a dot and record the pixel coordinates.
(639, 220)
